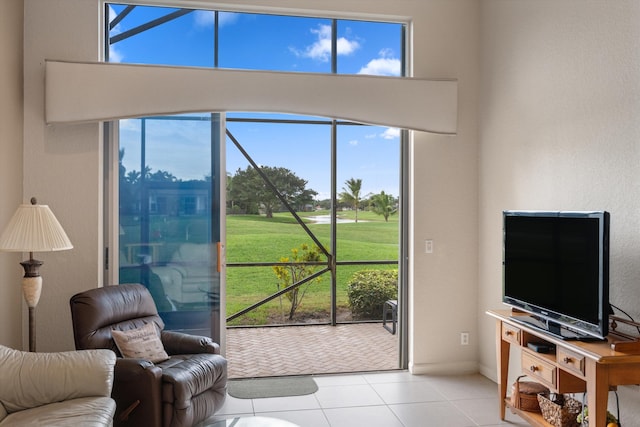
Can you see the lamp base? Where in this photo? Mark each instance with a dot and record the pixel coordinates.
(31, 289)
(31, 266)
(32, 329)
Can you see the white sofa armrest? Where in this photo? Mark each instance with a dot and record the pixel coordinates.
(34, 379)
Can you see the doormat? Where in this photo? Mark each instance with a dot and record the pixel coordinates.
(259, 388)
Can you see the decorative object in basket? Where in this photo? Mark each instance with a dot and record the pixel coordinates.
(560, 410)
(612, 420)
(524, 395)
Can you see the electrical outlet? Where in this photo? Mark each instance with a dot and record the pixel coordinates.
(464, 338)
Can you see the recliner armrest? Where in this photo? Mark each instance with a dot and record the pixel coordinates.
(180, 343)
(131, 366)
(137, 392)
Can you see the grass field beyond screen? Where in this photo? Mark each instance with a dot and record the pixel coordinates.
(253, 238)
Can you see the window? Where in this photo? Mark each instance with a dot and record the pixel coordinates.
(174, 159)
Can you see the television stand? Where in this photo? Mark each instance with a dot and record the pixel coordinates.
(575, 367)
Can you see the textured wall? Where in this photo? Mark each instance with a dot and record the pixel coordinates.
(559, 129)
(10, 165)
(445, 198)
(62, 164)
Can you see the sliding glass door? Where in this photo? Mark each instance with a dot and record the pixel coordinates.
(169, 216)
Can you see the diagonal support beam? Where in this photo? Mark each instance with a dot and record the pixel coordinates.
(277, 294)
(282, 199)
(151, 24)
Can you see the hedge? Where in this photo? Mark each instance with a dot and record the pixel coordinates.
(369, 289)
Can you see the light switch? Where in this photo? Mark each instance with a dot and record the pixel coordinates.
(428, 246)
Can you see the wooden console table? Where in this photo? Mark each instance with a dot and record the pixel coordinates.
(574, 367)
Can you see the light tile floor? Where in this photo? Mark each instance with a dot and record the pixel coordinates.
(389, 399)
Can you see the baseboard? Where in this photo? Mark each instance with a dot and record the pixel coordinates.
(454, 368)
(489, 372)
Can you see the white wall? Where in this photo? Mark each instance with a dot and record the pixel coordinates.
(62, 164)
(64, 161)
(444, 199)
(559, 129)
(11, 12)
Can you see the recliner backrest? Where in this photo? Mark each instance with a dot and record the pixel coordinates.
(96, 312)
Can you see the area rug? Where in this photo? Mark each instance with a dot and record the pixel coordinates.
(258, 388)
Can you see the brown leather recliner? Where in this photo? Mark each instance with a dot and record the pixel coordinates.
(185, 389)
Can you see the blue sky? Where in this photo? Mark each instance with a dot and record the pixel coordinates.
(267, 42)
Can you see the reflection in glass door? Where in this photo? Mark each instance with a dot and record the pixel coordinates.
(169, 222)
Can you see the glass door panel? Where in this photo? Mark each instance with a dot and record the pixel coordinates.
(169, 226)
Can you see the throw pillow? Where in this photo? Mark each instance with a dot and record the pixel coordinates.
(141, 343)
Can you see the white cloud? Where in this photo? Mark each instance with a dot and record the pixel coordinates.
(382, 67)
(321, 49)
(386, 52)
(226, 18)
(115, 55)
(390, 133)
(206, 18)
(347, 47)
(130, 124)
(353, 142)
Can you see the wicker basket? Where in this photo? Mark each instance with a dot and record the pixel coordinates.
(524, 395)
(560, 415)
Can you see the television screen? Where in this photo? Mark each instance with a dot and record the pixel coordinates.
(555, 266)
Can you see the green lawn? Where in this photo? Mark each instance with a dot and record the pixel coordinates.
(252, 238)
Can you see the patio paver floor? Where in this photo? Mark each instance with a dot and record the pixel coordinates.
(310, 349)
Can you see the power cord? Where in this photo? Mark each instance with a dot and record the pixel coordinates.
(626, 314)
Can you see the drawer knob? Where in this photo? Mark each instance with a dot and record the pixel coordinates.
(567, 359)
(533, 368)
(507, 333)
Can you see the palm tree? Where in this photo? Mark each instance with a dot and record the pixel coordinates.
(383, 204)
(351, 194)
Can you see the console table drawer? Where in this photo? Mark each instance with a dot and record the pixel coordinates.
(511, 333)
(570, 361)
(541, 370)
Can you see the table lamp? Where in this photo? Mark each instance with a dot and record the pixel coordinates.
(33, 228)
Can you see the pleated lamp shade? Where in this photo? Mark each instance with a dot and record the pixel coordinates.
(34, 228)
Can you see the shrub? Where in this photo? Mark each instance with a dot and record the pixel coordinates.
(296, 272)
(369, 289)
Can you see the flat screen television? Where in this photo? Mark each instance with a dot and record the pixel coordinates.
(556, 269)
